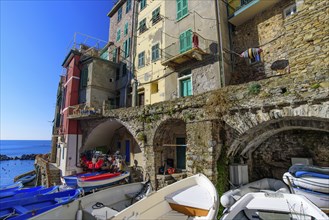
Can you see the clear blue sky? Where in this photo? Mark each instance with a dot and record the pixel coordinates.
(34, 40)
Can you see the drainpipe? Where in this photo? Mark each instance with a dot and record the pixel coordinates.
(133, 55)
(220, 46)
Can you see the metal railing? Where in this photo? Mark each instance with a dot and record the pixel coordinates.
(235, 5)
(202, 44)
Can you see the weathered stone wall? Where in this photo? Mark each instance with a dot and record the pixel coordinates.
(300, 40)
(273, 157)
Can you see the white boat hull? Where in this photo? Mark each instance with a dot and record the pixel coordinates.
(321, 200)
(192, 198)
(115, 198)
(273, 206)
(311, 183)
(231, 196)
(89, 185)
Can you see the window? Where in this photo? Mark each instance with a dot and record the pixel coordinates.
(155, 52)
(143, 4)
(126, 29)
(142, 26)
(154, 88)
(84, 77)
(182, 9)
(128, 6)
(105, 55)
(141, 59)
(126, 48)
(114, 55)
(185, 41)
(292, 9)
(118, 35)
(185, 84)
(141, 99)
(156, 16)
(119, 14)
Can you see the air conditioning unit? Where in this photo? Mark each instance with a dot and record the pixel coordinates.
(239, 174)
(298, 160)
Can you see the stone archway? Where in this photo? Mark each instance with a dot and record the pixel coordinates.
(114, 135)
(269, 147)
(169, 145)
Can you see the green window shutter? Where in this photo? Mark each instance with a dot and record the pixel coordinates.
(124, 49)
(84, 77)
(143, 4)
(184, 7)
(119, 14)
(126, 29)
(118, 35)
(114, 54)
(186, 87)
(155, 15)
(188, 39)
(128, 47)
(179, 9)
(182, 42)
(128, 6)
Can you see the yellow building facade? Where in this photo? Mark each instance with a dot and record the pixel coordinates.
(148, 69)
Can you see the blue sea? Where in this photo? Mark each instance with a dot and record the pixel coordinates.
(11, 168)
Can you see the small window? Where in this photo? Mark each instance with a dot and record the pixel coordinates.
(156, 16)
(84, 78)
(126, 29)
(119, 14)
(141, 98)
(185, 41)
(142, 26)
(114, 55)
(126, 48)
(128, 6)
(154, 88)
(141, 59)
(185, 84)
(292, 9)
(182, 9)
(155, 52)
(143, 4)
(118, 35)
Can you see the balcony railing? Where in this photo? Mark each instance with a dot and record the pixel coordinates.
(83, 110)
(173, 55)
(239, 11)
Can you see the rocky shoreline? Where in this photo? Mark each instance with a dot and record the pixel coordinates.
(23, 157)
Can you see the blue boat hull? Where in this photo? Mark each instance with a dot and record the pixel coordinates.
(26, 193)
(8, 190)
(30, 206)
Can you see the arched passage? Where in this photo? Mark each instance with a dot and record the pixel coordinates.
(112, 136)
(170, 145)
(269, 147)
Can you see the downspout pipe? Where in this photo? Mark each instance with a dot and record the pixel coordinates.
(133, 53)
(220, 46)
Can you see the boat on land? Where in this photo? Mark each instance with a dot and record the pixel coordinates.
(72, 180)
(194, 197)
(311, 182)
(30, 192)
(7, 190)
(25, 208)
(90, 183)
(266, 184)
(27, 179)
(273, 205)
(314, 182)
(100, 205)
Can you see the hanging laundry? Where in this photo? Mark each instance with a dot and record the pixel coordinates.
(195, 40)
(252, 54)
